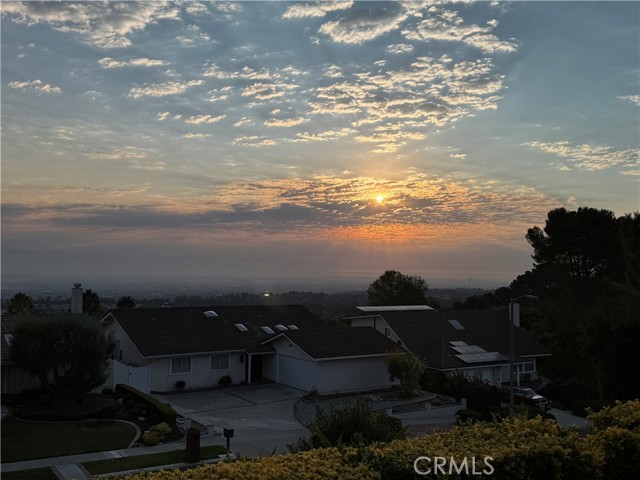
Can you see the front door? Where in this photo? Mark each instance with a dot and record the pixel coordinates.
(256, 367)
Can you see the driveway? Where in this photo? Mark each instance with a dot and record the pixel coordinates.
(261, 415)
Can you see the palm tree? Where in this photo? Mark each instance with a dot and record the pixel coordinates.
(20, 304)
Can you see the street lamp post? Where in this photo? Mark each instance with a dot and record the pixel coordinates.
(512, 302)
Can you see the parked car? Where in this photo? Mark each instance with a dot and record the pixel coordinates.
(526, 396)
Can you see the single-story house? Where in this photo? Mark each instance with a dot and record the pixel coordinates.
(476, 342)
(157, 347)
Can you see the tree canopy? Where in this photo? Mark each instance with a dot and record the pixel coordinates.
(20, 304)
(583, 243)
(126, 302)
(91, 303)
(69, 354)
(394, 288)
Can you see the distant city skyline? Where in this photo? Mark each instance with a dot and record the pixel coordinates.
(275, 141)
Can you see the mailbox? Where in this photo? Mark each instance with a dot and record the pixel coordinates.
(228, 434)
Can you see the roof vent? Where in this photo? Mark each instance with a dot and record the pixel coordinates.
(267, 330)
(281, 327)
(241, 327)
(292, 327)
(210, 314)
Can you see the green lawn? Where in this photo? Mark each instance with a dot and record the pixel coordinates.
(143, 461)
(33, 474)
(28, 440)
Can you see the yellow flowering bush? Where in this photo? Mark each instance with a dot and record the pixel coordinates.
(520, 449)
(321, 464)
(615, 440)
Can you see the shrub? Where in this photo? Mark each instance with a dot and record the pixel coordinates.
(180, 384)
(224, 381)
(151, 438)
(351, 425)
(323, 464)
(521, 449)
(408, 369)
(163, 411)
(156, 434)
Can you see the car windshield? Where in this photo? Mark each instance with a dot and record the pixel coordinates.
(527, 392)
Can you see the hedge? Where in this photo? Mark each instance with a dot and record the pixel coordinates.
(165, 412)
(520, 449)
(320, 464)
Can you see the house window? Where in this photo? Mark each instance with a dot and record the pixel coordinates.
(180, 365)
(220, 362)
(528, 367)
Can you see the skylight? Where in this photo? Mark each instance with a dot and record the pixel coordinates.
(292, 327)
(241, 327)
(267, 330)
(281, 327)
(210, 314)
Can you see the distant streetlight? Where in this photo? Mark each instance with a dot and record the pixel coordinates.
(512, 302)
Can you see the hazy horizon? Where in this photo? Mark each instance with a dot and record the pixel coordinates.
(281, 141)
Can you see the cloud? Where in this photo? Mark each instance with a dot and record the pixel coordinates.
(163, 116)
(195, 136)
(163, 89)
(199, 119)
(398, 48)
(103, 24)
(285, 122)
(254, 141)
(316, 9)
(35, 86)
(243, 121)
(126, 153)
(362, 25)
(634, 99)
(108, 62)
(193, 37)
(589, 157)
(267, 91)
(447, 26)
(288, 206)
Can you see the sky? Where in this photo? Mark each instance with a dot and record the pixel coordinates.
(265, 140)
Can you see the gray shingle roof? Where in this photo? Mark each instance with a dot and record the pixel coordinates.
(338, 341)
(428, 334)
(171, 331)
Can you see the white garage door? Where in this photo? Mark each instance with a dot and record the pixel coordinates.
(297, 373)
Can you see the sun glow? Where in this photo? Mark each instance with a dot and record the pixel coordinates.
(379, 199)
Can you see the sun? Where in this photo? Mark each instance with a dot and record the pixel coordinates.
(379, 199)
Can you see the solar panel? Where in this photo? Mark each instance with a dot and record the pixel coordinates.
(469, 349)
(456, 324)
(482, 357)
(394, 308)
